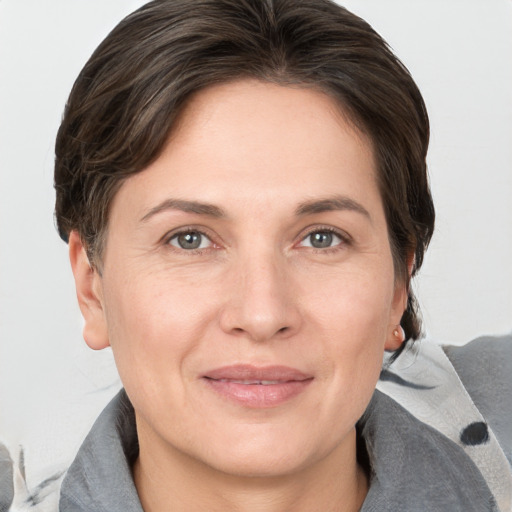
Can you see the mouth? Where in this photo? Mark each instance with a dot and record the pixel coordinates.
(257, 387)
(252, 382)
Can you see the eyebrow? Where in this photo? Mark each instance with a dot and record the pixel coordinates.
(339, 203)
(185, 206)
(331, 204)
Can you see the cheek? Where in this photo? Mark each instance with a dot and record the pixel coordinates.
(154, 322)
(354, 322)
(354, 304)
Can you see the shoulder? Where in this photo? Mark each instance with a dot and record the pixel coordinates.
(6, 478)
(464, 393)
(485, 368)
(477, 358)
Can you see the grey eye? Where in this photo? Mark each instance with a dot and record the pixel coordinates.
(321, 240)
(190, 240)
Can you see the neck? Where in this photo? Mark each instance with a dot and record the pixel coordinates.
(165, 476)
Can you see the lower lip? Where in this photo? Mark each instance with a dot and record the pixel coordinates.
(259, 395)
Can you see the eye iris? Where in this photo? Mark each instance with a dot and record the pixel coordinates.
(321, 239)
(189, 240)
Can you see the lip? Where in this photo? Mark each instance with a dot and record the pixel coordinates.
(257, 387)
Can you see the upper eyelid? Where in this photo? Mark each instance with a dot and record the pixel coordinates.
(183, 230)
(196, 250)
(166, 241)
(343, 235)
(331, 229)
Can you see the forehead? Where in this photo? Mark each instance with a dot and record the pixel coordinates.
(266, 109)
(255, 141)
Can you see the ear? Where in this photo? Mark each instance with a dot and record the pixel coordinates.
(89, 293)
(396, 335)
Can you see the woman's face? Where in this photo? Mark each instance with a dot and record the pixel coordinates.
(247, 288)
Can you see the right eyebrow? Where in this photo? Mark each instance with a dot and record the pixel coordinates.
(339, 203)
(209, 210)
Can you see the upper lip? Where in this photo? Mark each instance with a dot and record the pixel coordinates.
(257, 373)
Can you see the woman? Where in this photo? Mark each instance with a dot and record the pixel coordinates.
(244, 192)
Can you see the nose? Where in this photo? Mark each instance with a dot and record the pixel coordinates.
(261, 304)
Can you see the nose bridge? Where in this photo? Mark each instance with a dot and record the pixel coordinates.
(263, 277)
(261, 305)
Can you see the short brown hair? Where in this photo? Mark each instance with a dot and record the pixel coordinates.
(126, 99)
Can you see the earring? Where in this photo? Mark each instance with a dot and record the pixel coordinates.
(399, 333)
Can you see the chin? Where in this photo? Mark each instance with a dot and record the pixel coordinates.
(264, 454)
(260, 465)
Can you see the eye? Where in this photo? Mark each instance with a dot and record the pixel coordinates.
(190, 240)
(321, 239)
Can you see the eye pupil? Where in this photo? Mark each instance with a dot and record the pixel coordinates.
(321, 239)
(189, 240)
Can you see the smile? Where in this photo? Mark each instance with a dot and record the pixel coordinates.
(252, 382)
(256, 387)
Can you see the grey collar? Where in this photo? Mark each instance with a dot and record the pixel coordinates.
(413, 466)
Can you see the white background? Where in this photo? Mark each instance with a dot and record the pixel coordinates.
(460, 53)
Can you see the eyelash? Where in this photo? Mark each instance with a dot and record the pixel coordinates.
(345, 240)
(169, 237)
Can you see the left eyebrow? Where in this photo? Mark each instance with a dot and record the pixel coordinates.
(209, 210)
(331, 204)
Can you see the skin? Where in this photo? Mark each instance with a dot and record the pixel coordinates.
(256, 292)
